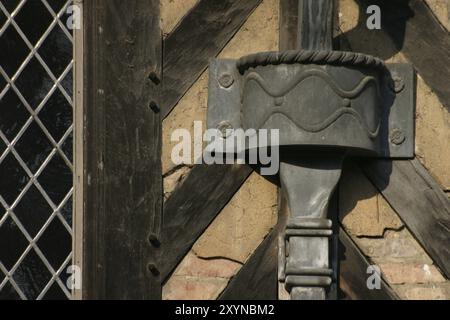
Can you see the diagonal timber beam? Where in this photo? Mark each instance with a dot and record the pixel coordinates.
(356, 41)
(200, 36)
(420, 203)
(416, 32)
(194, 205)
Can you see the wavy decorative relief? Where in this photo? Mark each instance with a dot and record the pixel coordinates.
(297, 80)
(300, 77)
(314, 128)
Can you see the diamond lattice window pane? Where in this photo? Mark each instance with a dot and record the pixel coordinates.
(55, 243)
(33, 147)
(13, 243)
(56, 51)
(33, 211)
(2, 147)
(13, 51)
(34, 83)
(9, 293)
(3, 83)
(55, 293)
(2, 214)
(33, 19)
(57, 115)
(3, 19)
(56, 179)
(66, 211)
(32, 275)
(65, 17)
(67, 83)
(10, 5)
(13, 114)
(67, 147)
(13, 179)
(57, 5)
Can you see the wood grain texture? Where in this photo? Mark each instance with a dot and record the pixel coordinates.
(315, 20)
(420, 203)
(288, 25)
(418, 34)
(200, 36)
(424, 42)
(194, 205)
(353, 272)
(123, 178)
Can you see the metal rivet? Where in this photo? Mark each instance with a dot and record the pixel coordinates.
(154, 241)
(153, 269)
(225, 129)
(226, 80)
(397, 84)
(279, 101)
(397, 136)
(152, 105)
(346, 103)
(154, 78)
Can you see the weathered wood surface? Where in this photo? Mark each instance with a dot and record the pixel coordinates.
(200, 36)
(288, 25)
(419, 201)
(315, 20)
(123, 178)
(353, 271)
(417, 33)
(194, 205)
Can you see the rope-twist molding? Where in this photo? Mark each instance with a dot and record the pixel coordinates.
(339, 58)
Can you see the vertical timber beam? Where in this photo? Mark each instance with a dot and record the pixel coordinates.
(121, 201)
(315, 24)
(288, 25)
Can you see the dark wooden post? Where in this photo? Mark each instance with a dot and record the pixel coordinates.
(121, 128)
(315, 24)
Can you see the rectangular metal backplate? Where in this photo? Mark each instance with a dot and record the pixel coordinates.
(224, 100)
(398, 125)
(397, 131)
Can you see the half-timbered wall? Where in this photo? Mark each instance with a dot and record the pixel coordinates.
(373, 218)
(248, 217)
